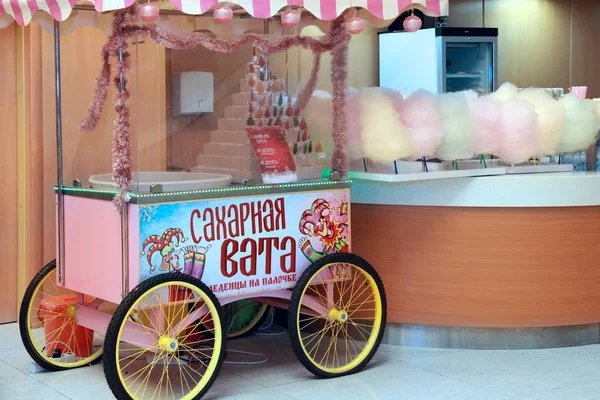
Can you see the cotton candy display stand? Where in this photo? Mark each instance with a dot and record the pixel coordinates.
(534, 167)
(410, 171)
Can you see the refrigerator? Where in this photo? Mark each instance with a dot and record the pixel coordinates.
(439, 60)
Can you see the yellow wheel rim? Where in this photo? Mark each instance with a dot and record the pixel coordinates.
(235, 323)
(52, 327)
(176, 365)
(343, 333)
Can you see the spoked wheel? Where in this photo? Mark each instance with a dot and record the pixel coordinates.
(157, 345)
(337, 315)
(244, 317)
(47, 322)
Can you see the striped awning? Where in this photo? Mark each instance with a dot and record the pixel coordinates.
(23, 10)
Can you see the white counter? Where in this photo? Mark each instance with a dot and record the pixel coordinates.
(571, 189)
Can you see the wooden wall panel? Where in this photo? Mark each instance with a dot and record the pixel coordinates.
(34, 220)
(483, 267)
(8, 166)
(534, 41)
(466, 13)
(585, 60)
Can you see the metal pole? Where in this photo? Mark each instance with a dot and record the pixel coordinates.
(266, 33)
(59, 156)
(124, 231)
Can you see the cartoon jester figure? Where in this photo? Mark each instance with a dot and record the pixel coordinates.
(332, 230)
(167, 245)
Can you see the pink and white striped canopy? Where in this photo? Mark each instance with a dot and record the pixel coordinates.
(23, 10)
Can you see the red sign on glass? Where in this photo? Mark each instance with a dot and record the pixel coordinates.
(273, 154)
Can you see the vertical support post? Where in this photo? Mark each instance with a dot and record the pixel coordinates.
(266, 33)
(59, 156)
(124, 230)
(124, 253)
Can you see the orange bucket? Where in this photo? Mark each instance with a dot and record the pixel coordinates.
(62, 333)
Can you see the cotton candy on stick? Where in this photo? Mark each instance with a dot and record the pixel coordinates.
(420, 115)
(518, 138)
(384, 137)
(505, 92)
(550, 118)
(459, 127)
(487, 113)
(581, 124)
(395, 96)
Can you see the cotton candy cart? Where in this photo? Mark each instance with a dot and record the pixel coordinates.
(152, 307)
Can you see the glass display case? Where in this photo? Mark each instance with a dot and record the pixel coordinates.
(190, 110)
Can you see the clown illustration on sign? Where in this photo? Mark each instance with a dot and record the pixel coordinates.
(328, 225)
(194, 257)
(167, 246)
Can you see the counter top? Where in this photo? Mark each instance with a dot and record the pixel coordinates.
(568, 189)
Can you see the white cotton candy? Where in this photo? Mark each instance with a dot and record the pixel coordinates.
(550, 117)
(384, 137)
(581, 125)
(459, 127)
(505, 92)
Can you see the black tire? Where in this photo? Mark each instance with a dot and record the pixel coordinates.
(347, 258)
(110, 343)
(23, 316)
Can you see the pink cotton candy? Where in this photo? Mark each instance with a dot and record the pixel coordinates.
(395, 96)
(519, 138)
(353, 109)
(487, 114)
(420, 115)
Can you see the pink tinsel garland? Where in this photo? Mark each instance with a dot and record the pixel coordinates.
(122, 29)
(339, 75)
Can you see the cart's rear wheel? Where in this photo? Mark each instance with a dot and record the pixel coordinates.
(156, 343)
(47, 322)
(244, 317)
(337, 315)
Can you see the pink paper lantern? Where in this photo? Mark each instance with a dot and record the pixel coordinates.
(148, 12)
(355, 25)
(412, 23)
(223, 14)
(290, 18)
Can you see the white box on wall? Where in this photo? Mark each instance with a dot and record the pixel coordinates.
(192, 93)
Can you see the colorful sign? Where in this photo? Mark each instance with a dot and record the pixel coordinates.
(244, 245)
(273, 154)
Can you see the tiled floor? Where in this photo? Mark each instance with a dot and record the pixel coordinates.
(395, 373)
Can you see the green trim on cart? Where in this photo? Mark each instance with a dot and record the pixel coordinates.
(205, 194)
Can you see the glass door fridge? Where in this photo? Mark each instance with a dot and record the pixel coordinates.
(440, 60)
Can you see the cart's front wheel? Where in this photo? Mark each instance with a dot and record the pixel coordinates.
(337, 315)
(49, 331)
(157, 346)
